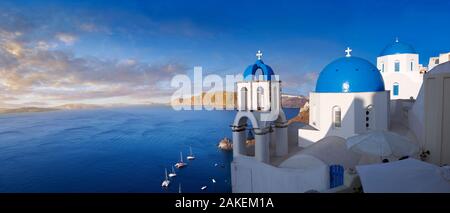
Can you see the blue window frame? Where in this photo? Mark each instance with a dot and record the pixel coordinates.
(395, 89)
(397, 66)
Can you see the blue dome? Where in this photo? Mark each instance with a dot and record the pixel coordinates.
(350, 74)
(397, 48)
(259, 64)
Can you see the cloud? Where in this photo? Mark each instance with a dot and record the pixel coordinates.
(88, 27)
(66, 38)
(42, 45)
(13, 48)
(301, 84)
(37, 64)
(33, 71)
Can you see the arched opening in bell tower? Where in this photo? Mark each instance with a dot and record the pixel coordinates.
(243, 97)
(259, 98)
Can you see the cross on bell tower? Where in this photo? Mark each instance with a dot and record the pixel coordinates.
(348, 51)
(259, 55)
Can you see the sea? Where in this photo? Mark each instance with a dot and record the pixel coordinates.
(115, 150)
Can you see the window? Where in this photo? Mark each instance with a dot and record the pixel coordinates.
(395, 89)
(411, 66)
(243, 98)
(369, 117)
(397, 66)
(382, 67)
(259, 98)
(336, 116)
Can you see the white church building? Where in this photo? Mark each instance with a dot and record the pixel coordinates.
(399, 65)
(352, 97)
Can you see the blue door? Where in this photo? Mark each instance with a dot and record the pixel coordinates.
(395, 89)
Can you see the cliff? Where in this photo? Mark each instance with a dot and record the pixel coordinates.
(303, 115)
(229, 99)
(219, 99)
(291, 101)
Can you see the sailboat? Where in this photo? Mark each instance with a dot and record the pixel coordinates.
(190, 156)
(172, 174)
(166, 182)
(181, 164)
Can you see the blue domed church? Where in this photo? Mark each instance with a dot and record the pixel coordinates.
(350, 98)
(399, 65)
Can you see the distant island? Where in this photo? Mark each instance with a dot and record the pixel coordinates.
(228, 100)
(26, 109)
(47, 109)
(72, 106)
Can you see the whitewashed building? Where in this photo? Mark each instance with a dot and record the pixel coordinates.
(429, 117)
(399, 65)
(349, 99)
(434, 61)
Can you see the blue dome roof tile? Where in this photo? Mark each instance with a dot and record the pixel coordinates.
(397, 48)
(267, 71)
(349, 74)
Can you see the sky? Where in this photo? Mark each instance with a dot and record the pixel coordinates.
(127, 52)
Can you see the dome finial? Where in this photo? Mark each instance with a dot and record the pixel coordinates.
(259, 55)
(348, 51)
(396, 39)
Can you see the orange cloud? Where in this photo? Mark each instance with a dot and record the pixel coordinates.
(34, 71)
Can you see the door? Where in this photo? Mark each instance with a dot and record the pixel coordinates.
(395, 89)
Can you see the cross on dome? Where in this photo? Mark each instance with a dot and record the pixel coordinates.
(259, 55)
(348, 51)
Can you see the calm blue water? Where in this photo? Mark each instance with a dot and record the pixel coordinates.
(113, 150)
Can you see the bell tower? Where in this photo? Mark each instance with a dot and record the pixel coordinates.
(258, 92)
(259, 111)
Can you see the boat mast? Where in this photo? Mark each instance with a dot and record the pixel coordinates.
(166, 175)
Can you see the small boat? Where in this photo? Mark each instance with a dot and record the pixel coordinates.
(214, 181)
(180, 164)
(190, 156)
(166, 182)
(172, 174)
(204, 187)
